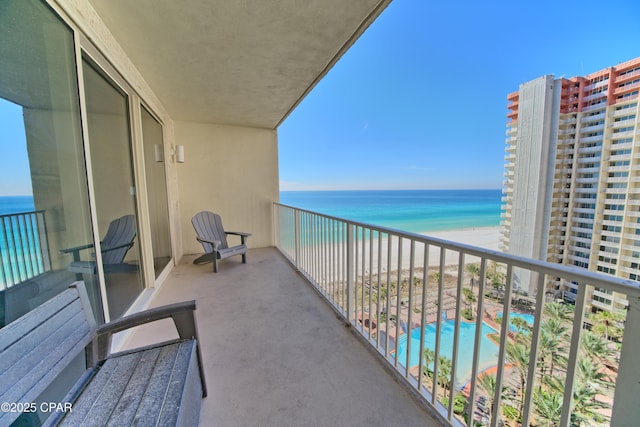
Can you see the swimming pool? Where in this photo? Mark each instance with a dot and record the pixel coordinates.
(488, 350)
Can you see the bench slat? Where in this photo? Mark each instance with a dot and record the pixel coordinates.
(172, 396)
(34, 338)
(188, 396)
(14, 331)
(96, 403)
(137, 388)
(31, 374)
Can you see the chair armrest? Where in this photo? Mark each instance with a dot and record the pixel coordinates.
(216, 243)
(75, 251)
(243, 236)
(182, 314)
(238, 233)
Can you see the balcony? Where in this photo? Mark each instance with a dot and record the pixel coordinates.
(275, 354)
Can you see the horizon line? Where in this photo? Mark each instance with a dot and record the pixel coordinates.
(390, 189)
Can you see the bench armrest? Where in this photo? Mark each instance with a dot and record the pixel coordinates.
(182, 314)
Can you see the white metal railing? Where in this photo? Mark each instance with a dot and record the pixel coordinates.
(24, 248)
(426, 305)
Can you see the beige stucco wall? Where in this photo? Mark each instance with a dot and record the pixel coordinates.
(229, 170)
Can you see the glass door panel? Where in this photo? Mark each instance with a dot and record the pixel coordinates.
(44, 202)
(156, 191)
(113, 183)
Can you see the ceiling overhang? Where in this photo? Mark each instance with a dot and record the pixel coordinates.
(246, 63)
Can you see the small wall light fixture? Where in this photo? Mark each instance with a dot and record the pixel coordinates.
(158, 153)
(180, 153)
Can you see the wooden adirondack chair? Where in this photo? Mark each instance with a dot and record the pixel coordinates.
(210, 233)
(114, 247)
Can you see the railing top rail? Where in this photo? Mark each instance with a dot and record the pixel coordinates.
(583, 277)
(20, 213)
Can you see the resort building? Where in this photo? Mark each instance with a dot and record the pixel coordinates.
(572, 176)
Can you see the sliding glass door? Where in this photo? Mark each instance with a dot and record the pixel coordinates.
(44, 200)
(109, 134)
(156, 191)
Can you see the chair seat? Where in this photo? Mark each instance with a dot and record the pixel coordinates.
(83, 267)
(234, 250)
(89, 267)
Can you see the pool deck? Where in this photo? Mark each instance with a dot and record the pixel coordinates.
(275, 354)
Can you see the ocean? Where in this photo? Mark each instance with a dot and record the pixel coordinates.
(15, 204)
(416, 211)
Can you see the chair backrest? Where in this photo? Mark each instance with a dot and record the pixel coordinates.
(121, 232)
(209, 226)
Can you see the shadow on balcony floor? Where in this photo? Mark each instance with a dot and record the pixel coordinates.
(276, 354)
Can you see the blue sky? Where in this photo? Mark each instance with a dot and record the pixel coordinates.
(15, 178)
(420, 100)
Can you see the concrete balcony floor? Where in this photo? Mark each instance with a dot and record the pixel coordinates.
(276, 354)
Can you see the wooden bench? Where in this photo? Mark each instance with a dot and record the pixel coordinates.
(162, 384)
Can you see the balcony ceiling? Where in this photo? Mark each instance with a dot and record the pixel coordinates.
(246, 62)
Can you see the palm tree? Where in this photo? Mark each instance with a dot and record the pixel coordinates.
(444, 373)
(548, 406)
(497, 280)
(474, 271)
(559, 311)
(586, 409)
(553, 341)
(523, 329)
(487, 383)
(607, 323)
(590, 373)
(469, 298)
(595, 347)
(518, 355)
(429, 356)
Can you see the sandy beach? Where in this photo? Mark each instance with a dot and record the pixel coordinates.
(371, 250)
(484, 237)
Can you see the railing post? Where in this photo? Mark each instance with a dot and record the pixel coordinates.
(297, 238)
(351, 272)
(625, 407)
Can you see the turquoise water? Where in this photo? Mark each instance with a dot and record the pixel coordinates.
(409, 210)
(488, 350)
(17, 262)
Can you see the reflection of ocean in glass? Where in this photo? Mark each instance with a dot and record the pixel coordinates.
(408, 210)
(20, 232)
